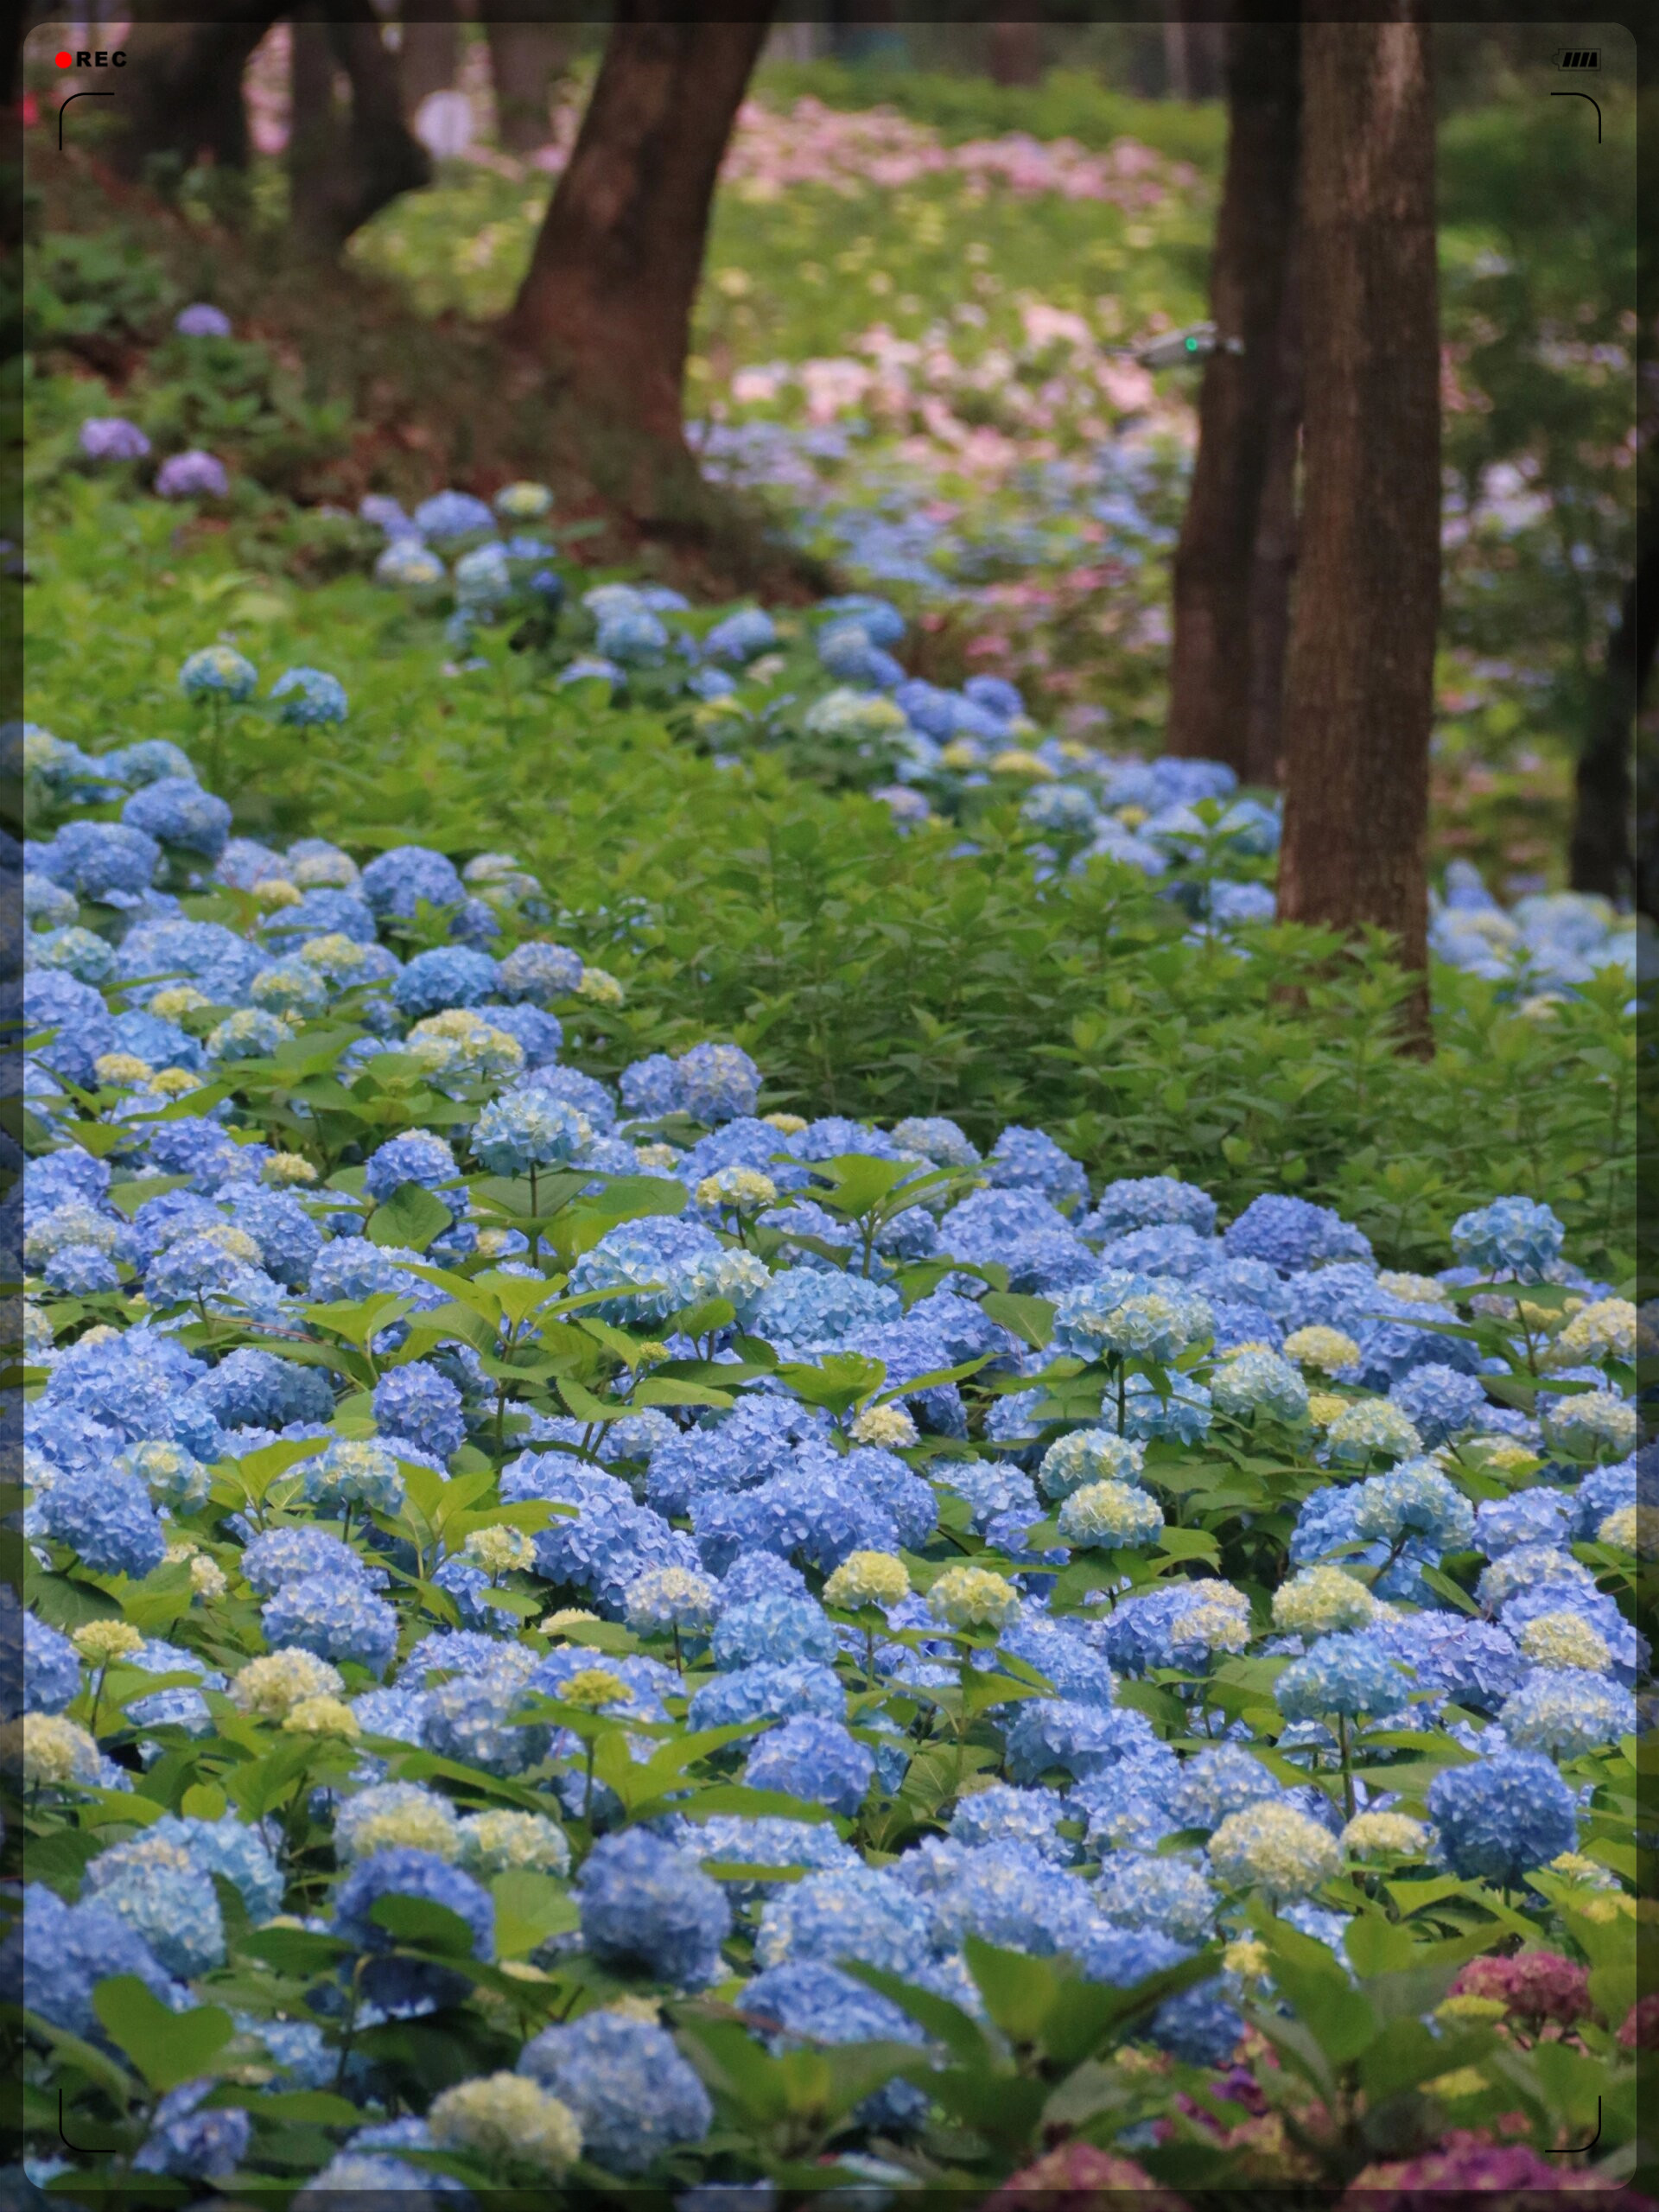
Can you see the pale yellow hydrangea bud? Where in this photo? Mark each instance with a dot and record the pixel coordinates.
(656, 1159)
(1574, 1866)
(101, 1641)
(285, 1168)
(1461, 2081)
(174, 1001)
(1417, 1290)
(173, 1083)
(972, 1597)
(1325, 1406)
(593, 1687)
(321, 1716)
(888, 1427)
(1467, 2009)
(274, 891)
(52, 1750)
(1329, 1350)
(112, 1068)
(1248, 1959)
(1321, 1599)
(1630, 1529)
(635, 2008)
(744, 1188)
(787, 1125)
(208, 1578)
(499, 1550)
(867, 1579)
(1384, 1832)
(1018, 760)
(600, 988)
(507, 2119)
(1566, 1639)
(272, 1685)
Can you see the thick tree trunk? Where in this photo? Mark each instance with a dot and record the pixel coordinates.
(1601, 857)
(1359, 694)
(343, 169)
(428, 59)
(1016, 52)
(181, 93)
(607, 301)
(1244, 433)
(1273, 558)
(527, 59)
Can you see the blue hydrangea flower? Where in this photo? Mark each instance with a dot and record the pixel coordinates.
(354, 1472)
(193, 475)
(67, 1950)
(175, 810)
(218, 670)
(410, 1984)
(419, 1403)
(1347, 1675)
(1564, 1712)
(1028, 1159)
(164, 1894)
(446, 976)
(109, 437)
(418, 1156)
(852, 1913)
(646, 1909)
(279, 1556)
(1512, 1239)
(539, 972)
(311, 699)
(335, 1616)
(395, 883)
(452, 514)
(648, 1265)
(194, 2145)
(51, 1673)
(1500, 1817)
(526, 1129)
(202, 320)
(651, 1088)
(1291, 1233)
(229, 1847)
(1416, 1499)
(813, 1310)
(717, 1082)
(1169, 1895)
(1080, 1740)
(807, 2000)
(768, 1692)
(106, 1519)
(812, 1758)
(1439, 1401)
(1003, 1815)
(1198, 2026)
(633, 2096)
(774, 1627)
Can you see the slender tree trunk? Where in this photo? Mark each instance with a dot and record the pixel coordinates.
(1272, 557)
(181, 92)
(343, 169)
(428, 59)
(1177, 76)
(607, 301)
(1246, 421)
(1601, 857)
(1360, 691)
(1016, 52)
(527, 57)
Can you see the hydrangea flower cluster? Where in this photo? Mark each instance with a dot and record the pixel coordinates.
(536, 1621)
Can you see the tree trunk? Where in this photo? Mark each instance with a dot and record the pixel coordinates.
(1016, 52)
(527, 59)
(343, 169)
(1360, 689)
(1243, 432)
(1601, 858)
(181, 92)
(1177, 78)
(607, 301)
(1272, 557)
(428, 59)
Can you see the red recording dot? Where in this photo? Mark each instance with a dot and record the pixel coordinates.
(64, 60)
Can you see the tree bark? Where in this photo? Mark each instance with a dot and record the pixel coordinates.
(428, 59)
(1359, 694)
(1601, 857)
(607, 301)
(1272, 557)
(1246, 422)
(1016, 52)
(344, 168)
(181, 93)
(527, 57)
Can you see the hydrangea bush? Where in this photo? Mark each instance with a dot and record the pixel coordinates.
(584, 1630)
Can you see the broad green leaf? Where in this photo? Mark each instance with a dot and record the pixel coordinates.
(411, 1217)
(166, 2047)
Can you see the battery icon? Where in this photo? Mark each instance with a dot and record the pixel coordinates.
(1578, 57)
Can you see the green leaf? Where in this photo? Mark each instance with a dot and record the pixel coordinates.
(528, 1908)
(167, 2048)
(423, 1923)
(412, 1217)
(1018, 1989)
(1030, 1319)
